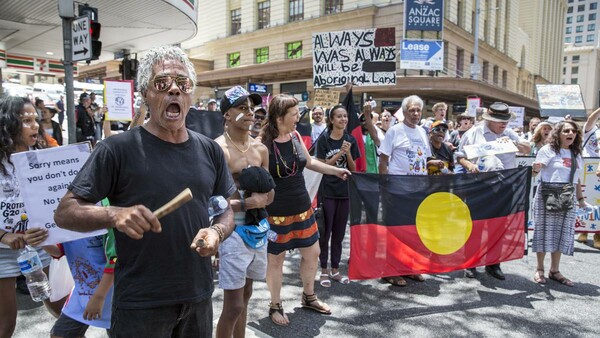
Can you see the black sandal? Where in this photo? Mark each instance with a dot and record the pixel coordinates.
(313, 303)
(277, 307)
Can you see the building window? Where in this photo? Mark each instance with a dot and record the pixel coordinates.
(262, 55)
(592, 17)
(568, 39)
(495, 75)
(570, 10)
(591, 27)
(233, 59)
(294, 50)
(569, 19)
(504, 78)
(578, 39)
(574, 70)
(575, 59)
(333, 6)
(589, 38)
(580, 18)
(579, 29)
(264, 14)
(594, 5)
(574, 81)
(564, 59)
(296, 10)
(581, 8)
(485, 71)
(564, 70)
(236, 21)
(460, 62)
(569, 30)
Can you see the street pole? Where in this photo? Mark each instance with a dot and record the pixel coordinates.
(475, 64)
(68, 67)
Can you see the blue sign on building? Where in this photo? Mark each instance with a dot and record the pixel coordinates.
(257, 88)
(424, 15)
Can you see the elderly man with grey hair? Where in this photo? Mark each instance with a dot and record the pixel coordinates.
(163, 277)
(496, 119)
(404, 151)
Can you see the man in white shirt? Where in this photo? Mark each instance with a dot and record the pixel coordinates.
(318, 125)
(496, 119)
(590, 149)
(532, 124)
(404, 151)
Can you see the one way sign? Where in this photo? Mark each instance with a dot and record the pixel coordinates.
(82, 41)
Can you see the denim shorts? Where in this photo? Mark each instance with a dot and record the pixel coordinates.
(180, 320)
(8, 262)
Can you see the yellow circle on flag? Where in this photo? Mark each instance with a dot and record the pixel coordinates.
(444, 223)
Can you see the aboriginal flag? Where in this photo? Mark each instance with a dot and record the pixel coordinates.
(403, 225)
(355, 130)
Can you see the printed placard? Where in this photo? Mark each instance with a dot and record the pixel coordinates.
(489, 148)
(118, 97)
(44, 176)
(363, 57)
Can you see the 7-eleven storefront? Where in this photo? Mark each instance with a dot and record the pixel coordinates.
(27, 70)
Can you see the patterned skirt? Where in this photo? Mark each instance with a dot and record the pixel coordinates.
(553, 231)
(296, 231)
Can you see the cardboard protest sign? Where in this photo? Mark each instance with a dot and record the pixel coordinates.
(326, 98)
(561, 100)
(364, 57)
(118, 97)
(489, 148)
(44, 176)
(517, 122)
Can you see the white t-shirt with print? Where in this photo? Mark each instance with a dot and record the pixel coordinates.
(12, 208)
(557, 167)
(407, 148)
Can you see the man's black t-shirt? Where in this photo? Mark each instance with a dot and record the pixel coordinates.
(137, 167)
(332, 186)
(445, 155)
(85, 122)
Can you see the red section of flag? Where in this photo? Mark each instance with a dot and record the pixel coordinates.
(380, 251)
(355, 130)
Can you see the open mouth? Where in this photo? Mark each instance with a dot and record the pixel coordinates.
(173, 111)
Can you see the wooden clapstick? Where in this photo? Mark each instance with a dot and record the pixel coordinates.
(179, 200)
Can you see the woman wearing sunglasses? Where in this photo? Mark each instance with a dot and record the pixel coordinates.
(558, 162)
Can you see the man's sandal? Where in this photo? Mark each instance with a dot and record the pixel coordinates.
(557, 276)
(396, 280)
(539, 276)
(325, 281)
(313, 303)
(339, 278)
(277, 308)
(417, 277)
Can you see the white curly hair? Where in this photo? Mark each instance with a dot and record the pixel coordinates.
(160, 54)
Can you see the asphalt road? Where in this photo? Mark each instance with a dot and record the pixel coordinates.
(446, 305)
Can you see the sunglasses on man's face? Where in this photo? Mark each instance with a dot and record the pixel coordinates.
(164, 82)
(438, 129)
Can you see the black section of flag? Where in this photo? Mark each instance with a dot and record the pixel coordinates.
(394, 199)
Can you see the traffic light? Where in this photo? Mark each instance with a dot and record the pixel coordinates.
(95, 28)
(128, 68)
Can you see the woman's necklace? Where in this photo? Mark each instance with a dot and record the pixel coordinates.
(279, 159)
(235, 145)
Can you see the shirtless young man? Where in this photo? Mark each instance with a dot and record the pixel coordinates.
(240, 264)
